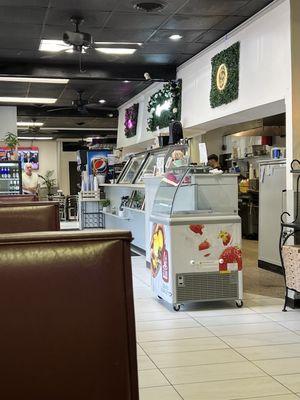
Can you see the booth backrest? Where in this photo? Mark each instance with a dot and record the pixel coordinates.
(67, 317)
(29, 217)
(16, 198)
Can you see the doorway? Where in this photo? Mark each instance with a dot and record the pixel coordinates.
(74, 178)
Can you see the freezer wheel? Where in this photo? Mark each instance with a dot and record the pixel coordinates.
(176, 307)
(239, 303)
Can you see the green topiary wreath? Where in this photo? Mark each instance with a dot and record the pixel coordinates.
(230, 57)
(170, 91)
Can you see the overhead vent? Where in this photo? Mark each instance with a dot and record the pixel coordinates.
(149, 6)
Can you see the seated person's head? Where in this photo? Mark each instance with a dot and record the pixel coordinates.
(213, 161)
(28, 168)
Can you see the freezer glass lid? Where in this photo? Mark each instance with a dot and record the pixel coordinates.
(192, 190)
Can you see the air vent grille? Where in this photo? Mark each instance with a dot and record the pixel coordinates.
(206, 286)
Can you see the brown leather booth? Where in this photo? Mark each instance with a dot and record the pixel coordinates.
(29, 217)
(67, 317)
(18, 198)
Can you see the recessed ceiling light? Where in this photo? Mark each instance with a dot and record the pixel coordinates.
(126, 81)
(175, 37)
(119, 51)
(35, 138)
(30, 100)
(110, 115)
(30, 123)
(33, 80)
(102, 101)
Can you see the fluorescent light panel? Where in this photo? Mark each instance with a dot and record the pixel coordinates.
(35, 138)
(30, 123)
(54, 46)
(175, 37)
(30, 100)
(33, 80)
(119, 51)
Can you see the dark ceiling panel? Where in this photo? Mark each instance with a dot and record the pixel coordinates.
(188, 36)
(136, 21)
(18, 42)
(122, 35)
(20, 29)
(192, 22)
(211, 36)
(62, 17)
(213, 7)
(26, 15)
(172, 48)
(231, 21)
(99, 5)
(171, 7)
(24, 3)
(253, 7)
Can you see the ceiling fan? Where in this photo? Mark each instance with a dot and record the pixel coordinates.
(81, 105)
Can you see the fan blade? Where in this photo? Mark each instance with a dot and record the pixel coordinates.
(61, 109)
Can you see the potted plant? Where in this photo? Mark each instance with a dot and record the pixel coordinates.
(49, 181)
(11, 140)
(105, 205)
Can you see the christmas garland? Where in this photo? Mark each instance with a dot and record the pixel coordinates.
(170, 93)
(229, 60)
(131, 117)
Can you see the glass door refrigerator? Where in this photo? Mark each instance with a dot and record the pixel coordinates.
(10, 178)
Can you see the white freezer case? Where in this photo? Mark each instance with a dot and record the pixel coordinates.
(195, 245)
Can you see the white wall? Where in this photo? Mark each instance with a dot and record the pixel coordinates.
(264, 72)
(8, 120)
(64, 179)
(143, 138)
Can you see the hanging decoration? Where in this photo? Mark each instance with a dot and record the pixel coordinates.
(165, 106)
(225, 76)
(131, 118)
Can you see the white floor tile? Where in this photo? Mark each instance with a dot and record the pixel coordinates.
(160, 393)
(261, 339)
(196, 358)
(169, 334)
(159, 316)
(280, 397)
(145, 363)
(232, 319)
(213, 372)
(292, 382)
(166, 324)
(244, 329)
(291, 325)
(183, 345)
(151, 377)
(215, 312)
(140, 351)
(281, 366)
(232, 389)
(269, 352)
(284, 316)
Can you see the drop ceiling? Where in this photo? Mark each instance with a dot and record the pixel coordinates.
(23, 23)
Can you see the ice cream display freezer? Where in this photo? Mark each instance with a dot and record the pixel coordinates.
(196, 238)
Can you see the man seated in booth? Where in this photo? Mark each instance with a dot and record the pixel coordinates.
(29, 180)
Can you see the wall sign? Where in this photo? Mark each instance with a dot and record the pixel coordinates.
(225, 76)
(164, 106)
(131, 118)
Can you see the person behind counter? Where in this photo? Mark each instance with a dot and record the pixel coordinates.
(29, 180)
(213, 162)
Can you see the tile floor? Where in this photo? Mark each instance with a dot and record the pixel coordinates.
(217, 351)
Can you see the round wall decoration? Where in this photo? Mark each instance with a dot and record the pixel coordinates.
(222, 77)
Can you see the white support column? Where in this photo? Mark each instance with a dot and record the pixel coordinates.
(8, 120)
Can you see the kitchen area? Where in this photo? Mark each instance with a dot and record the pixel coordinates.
(256, 151)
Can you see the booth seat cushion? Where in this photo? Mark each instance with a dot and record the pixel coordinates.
(19, 198)
(67, 317)
(29, 217)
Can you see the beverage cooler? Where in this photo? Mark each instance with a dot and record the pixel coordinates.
(10, 178)
(195, 245)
